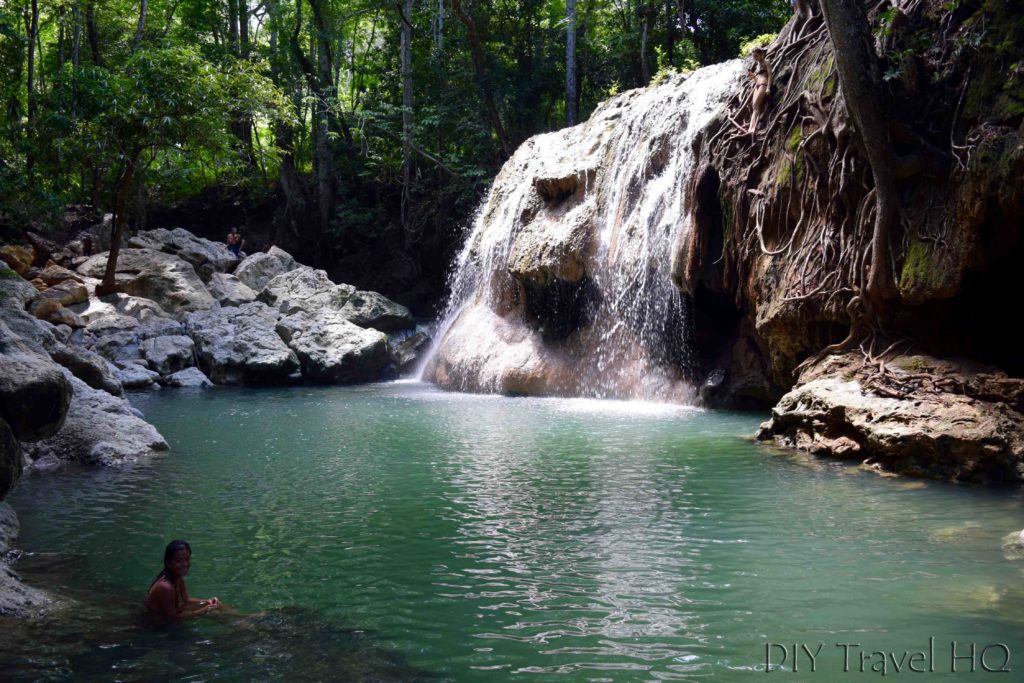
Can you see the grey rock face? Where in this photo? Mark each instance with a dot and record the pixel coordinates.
(119, 337)
(204, 255)
(100, 429)
(229, 290)
(136, 376)
(169, 354)
(331, 349)
(66, 293)
(15, 292)
(187, 378)
(166, 279)
(34, 394)
(54, 274)
(119, 304)
(238, 345)
(407, 351)
(370, 309)
(304, 289)
(256, 270)
(89, 367)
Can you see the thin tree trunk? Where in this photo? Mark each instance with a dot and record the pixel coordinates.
(33, 31)
(93, 32)
(570, 63)
(645, 32)
(76, 36)
(124, 186)
(140, 29)
(406, 65)
(479, 66)
(861, 85)
(233, 26)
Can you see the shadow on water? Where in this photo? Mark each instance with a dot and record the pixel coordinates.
(99, 635)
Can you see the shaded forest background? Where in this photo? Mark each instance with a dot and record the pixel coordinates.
(358, 134)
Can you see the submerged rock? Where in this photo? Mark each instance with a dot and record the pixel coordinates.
(238, 345)
(332, 349)
(100, 429)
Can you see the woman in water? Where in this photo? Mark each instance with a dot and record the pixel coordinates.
(167, 596)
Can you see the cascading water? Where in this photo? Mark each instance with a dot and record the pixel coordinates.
(564, 287)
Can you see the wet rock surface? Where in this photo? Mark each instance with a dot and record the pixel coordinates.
(939, 428)
(332, 349)
(238, 345)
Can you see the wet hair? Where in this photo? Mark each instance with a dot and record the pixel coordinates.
(172, 549)
(758, 51)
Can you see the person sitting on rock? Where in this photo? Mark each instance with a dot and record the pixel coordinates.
(761, 74)
(167, 597)
(235, 242)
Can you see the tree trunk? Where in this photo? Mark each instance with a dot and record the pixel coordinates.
(570, 63)
(862, 89)
(76, 36)
(647, 11)
(140, 29)
(33, 31)
(406, 66)
(670, 33)
(479, 64)
(124, 187)
(233, 26)
(93, 33)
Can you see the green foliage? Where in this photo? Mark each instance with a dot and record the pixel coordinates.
(763, 40)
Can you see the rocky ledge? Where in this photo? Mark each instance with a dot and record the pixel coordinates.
(187, 313)
(912, 414)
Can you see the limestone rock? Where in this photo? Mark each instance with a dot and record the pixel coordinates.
(36, 335)
(136, 376)
(15, 292)
(370, 309)
(100, 429)
(168, 280)
(944, 435)
(238, 345)
(203, 254)
(66, 293)
(53, 312)
(119, 337)
(256, 270)
(168, 354)
(19, 258)
(187, 378)
(305, 289)
(408, 351)
(34, 394)
(332, 349)
(10, 467)
(89, 367)
(16, 599)
(54, 274)
(119, 304)
(229, 290)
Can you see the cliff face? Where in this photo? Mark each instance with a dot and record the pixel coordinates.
(765, 239)
(779, 252)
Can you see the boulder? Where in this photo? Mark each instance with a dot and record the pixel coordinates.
(305, 289)
(16, 599)
(36, 335)
(204, 255)
(19, 258)
(187, 378)
(9, 527)
(836, 410)
(332, 349)
(54, 275)
(119, 304)
(66, 293)
(100, 429)
(89, 367)
(134, 376)
(34, 393)
(119, 337)
(256, 270)
(10, 466)
(53, 312)
(150, 274)
(16, 293)
(229, 290)
(238, 345)
(408, 351)
(168, 354)
(370, 309)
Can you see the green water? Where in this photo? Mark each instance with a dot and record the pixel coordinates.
(394, 532)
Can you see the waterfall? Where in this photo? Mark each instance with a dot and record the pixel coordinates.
(563, 286)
